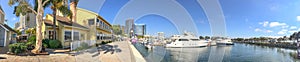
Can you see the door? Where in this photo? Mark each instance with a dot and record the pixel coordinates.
(2, 36)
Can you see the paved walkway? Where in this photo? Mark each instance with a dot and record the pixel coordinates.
(120, 51)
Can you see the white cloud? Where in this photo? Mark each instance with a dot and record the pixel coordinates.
(292, 31)
(257, 30)
(298, 18)
(293, 27)
(275, 24)
(14, 19)
(285, 26)
(265, 23)
(269, 31)
(283, 31)
(263, 30)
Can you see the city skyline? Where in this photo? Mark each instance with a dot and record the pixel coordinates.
(243, 18)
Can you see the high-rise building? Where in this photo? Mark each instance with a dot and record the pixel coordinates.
(160, 35)
(140, 29)
(129, 26)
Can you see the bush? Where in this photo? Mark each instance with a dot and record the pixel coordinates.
(46, 42)
(82, 46)
(32, 38)
(17, 48)
(54, 44)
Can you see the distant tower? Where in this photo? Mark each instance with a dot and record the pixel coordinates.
(140, 29)
(160, 35)
(129, 26)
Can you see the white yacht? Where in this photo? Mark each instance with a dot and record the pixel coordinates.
(186, 40)
(225, 41)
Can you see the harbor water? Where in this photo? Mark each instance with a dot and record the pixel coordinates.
(230, 53)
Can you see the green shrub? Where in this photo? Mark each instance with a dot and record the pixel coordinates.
(46, 42)
(54, 44)
(32, 39)
(17, 48)
(82, 46)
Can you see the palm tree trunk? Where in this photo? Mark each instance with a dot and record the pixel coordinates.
(54, 24)
(73, 6)
(39, 20)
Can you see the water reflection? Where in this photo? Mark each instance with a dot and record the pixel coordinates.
(234, 53)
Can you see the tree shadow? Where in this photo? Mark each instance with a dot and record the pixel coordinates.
(109, 49)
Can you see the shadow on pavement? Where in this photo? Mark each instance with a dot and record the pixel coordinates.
(109, 48)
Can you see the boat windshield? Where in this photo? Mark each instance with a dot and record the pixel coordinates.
(183, 40)
(195, 39)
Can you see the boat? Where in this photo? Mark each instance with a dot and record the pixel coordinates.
(225, 41)
(186, 40)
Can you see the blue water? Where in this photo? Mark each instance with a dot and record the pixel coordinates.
(231, 53)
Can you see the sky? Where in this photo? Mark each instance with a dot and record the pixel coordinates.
(243, 18)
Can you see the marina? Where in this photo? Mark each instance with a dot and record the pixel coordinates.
(239, 52)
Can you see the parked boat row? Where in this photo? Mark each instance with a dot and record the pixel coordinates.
(188, 40)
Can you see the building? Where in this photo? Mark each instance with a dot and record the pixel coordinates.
(6, 33)
(129, 26)
(89, 27)
(100, 29)
(140, 29)
(26, 21)
(17, 24)
(160, 35)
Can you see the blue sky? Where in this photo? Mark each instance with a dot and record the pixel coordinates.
(244, 18)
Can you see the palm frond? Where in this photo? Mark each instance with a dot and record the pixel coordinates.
(65, 10)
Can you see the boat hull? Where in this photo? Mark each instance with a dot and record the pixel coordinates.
(225, 44)
(185, 46)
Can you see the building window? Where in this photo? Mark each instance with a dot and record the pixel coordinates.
(51, 34)
(76, 36)
(91, 21)
(183, 40)
(68, 35)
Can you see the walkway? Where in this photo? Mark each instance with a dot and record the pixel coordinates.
(120, 51)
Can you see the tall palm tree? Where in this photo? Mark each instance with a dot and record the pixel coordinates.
(73, 6)
(58, 5)
(23, 7)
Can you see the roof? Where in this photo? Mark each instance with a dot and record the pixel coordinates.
(1, 9)
(7, 27)
(68, 22)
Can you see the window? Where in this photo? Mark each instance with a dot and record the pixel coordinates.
(68, 35)
(195, 39)
(183, 40)
(91, 21)
(76, 36)
(50, 34)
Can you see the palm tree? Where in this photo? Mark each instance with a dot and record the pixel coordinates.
(23, 7)
(57, 5)
(73, 6)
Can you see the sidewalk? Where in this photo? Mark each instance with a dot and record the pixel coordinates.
(120, 51)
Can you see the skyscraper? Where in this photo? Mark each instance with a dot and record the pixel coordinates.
(129, 26)
(140, 29)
